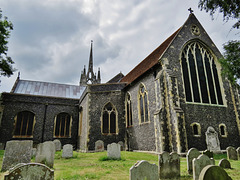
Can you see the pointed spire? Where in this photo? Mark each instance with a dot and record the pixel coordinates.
(99, 76)
(90, 73)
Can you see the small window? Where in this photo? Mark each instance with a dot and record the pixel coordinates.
(109, 119)
(62, 126)
(128, 107)
(24, 125)
(143, 104)
(196, 129)
(223, 130)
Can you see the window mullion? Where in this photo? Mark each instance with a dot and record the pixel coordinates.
(21, 124)
(27, 125)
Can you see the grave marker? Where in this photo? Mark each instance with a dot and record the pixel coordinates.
(192, 153)
(114, 151)
(67, 151)
(213, 173)
(232, 153)
(99, 146)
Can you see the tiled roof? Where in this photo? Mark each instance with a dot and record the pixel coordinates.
(149, 61)
(47, 89)
(116, 78)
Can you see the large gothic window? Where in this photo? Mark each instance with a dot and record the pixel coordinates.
(24, 124)
(143, 104)
(128, 107)
(109, 119)
(200, 75)
(62, 126)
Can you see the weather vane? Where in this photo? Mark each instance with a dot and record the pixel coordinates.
(190, 10)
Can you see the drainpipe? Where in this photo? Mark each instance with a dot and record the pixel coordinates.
(44, 122)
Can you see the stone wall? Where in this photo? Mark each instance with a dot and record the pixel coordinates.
(45, 110)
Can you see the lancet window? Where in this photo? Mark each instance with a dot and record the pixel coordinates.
(128, 107)
(109, 119)
(143, 104)
(62, 125)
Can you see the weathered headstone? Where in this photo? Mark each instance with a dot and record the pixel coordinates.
(45, 153)
(58, 144)
(114, 151)
(192, 153)
(224, 163)
(169, 165)
(144, 170)
(30, 171)
(208, 153)
(232, 153)
(212, 140)
(121, 145)
(238, 153)
(213, 173)
(199, 163)
(17, 152)
(99, 146)
(67, 151)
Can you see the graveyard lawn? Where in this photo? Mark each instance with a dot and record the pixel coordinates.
(96, 165)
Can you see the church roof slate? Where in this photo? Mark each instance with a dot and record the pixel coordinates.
(150, 61)
(47, 89)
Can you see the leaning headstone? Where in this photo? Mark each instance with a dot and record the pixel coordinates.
(99, 146)
(169, 165)
(192, 153)
(224, 163)
(67, 151)
(58, 144)
(121, 145)
(143, 170)
(212, 140)
(238, 153)
(213, 173)
(45, 153)
(30, 171)
(16, 152)
(114, 151)
(208, 153)
(232, 153)
(199, 163)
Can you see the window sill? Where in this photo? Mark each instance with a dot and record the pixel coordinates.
(205, 104)
(22, 136)
(196, 135)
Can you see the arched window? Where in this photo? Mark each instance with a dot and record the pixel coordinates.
(109, 119)
(223, 130)
(200, 75)
(24, 124)
(196, 129)
(128, 107)
(62, 128)
(143, 104)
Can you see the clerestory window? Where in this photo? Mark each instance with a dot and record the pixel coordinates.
(62, 126)
(200, 75)
(24, 124)
(128, 107)
(143, 104)
(109, 119)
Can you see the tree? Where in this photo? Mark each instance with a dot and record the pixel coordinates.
(231, 57)
(5, 61)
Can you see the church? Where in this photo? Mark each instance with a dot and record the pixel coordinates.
(170, 101)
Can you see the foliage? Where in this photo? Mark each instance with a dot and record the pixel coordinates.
(229, 8)
(5, 61)
(231, 61)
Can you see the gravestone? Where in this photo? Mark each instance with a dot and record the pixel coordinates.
(143, 170)
(121, 145)
(114, 151)
(67, 151)
(58, 144)
(208, 153)
(211, 172)
(224, 163)
(45, 153)
(16, 152)
(199, 163)
(232, 153)
(169, 165)
(212, 140)
(30, 171)
(192, 153)
(99, 146)
(238, 153)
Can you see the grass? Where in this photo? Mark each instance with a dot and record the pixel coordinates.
(97, 166)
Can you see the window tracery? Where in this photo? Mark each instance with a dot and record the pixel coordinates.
(128, 107)
(62, 126)
(143, 104)
(109, 119)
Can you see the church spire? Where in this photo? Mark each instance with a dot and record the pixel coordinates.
(90, 73)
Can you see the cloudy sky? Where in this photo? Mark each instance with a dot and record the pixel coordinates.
(51, 38)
